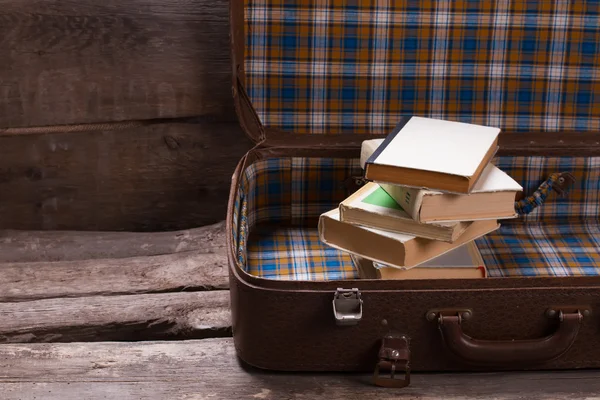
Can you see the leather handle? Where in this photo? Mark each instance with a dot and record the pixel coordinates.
(510, 352)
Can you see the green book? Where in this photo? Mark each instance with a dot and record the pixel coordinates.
(372, 207)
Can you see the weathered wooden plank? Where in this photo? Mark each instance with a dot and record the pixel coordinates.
(35, 246)
(151, 274)
(153, 178)
(207, 369)
(66, 62)
(133, 317)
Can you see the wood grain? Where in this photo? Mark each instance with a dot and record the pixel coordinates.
(132, 317)
(188, 271)
(207, 369)
(51, 246)
(159, 177)
(68, 62)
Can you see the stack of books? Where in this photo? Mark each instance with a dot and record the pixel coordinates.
(431, 191)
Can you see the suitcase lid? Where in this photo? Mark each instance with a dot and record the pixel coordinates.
(355, 67)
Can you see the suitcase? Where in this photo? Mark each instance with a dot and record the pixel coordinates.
(312, 80)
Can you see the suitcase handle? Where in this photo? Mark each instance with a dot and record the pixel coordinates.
(510, 352)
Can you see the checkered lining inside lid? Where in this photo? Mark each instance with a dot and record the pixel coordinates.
(356, 66)
(279, 200)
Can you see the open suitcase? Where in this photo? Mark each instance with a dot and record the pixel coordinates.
(312, 80)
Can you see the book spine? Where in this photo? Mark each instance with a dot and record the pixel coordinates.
(367, 149)
(371, 159)
(409, 199)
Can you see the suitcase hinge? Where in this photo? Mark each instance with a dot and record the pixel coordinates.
(347, 306)
(394, 356)
(354, 182)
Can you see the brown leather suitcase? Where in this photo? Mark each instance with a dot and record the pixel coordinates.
(312, 80)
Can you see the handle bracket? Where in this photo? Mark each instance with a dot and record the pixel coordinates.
(510, 352)
(436, 313)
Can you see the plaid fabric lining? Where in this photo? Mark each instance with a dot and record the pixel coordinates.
(580, 204)
(538, 249)
(356, 66)
(289, 191)
(296, 254)
(531, 250)
(276, 197)
(295, 189)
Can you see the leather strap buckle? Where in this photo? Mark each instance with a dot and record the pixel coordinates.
(394, 356)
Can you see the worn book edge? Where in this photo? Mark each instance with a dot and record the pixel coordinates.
(388, 247)
(447, 266)
(355, 209)
(493, 181)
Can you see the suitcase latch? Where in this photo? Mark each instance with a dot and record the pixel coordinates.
(394, 356)
(347, 306)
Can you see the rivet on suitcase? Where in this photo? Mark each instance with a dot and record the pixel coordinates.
(312, 80)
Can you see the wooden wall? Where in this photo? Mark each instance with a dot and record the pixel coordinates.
(162, 67)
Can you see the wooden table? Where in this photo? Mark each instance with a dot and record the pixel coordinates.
(88, 315)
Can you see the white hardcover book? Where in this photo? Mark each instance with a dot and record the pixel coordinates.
(433, 154)
(492, 197)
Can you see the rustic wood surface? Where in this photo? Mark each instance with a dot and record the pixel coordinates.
(68, 62)
(209, 369)
(153, 178)
(132, 317)
(186, 271)
(86, 296)
(41, 265)
(34, 246)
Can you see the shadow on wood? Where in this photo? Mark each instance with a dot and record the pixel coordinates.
(153, 178)
(122, 318)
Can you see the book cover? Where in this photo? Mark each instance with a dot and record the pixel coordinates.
(493, 197)
(433, 154)
(395, 249)
(464, 262)
(373, 207)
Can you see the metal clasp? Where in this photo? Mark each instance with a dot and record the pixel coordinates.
(347, 306)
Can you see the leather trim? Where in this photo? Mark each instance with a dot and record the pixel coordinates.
(549, 144)
(581, 144)
(247, 116)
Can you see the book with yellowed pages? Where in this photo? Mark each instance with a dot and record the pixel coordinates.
(464, 262)
(433, 154)
(394, 249)
(492, 197)
(373, 207)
